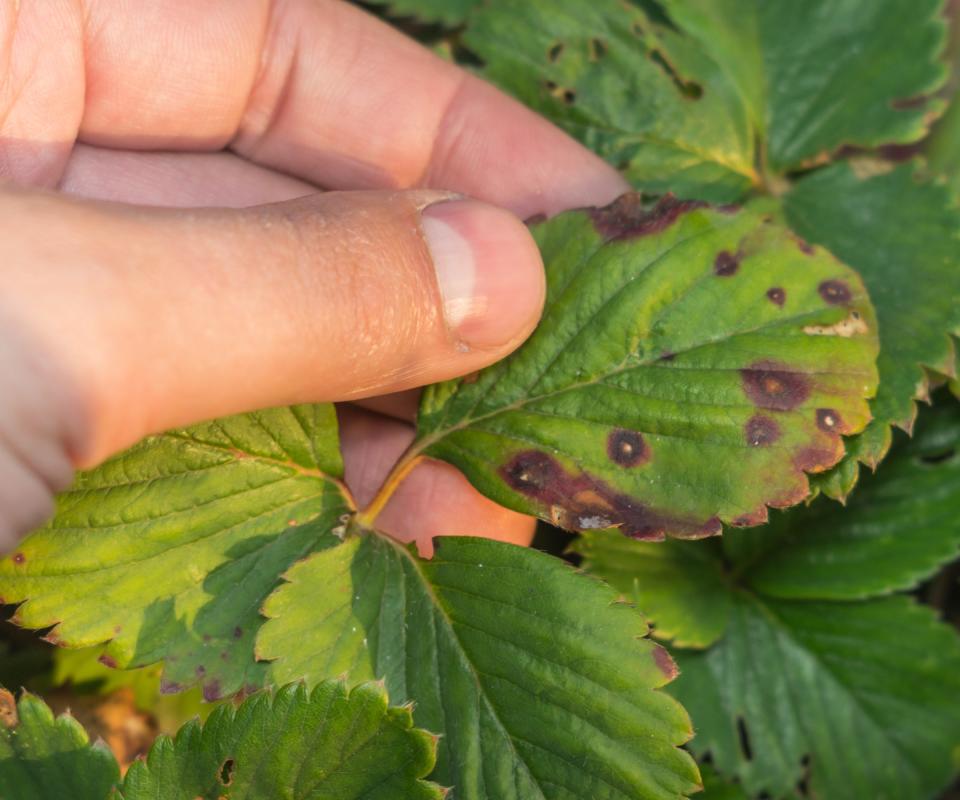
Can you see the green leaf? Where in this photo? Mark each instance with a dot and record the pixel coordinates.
(643, 97)
(47, 758)
(539, 682)
(299, 745)
(944, 149)
(820, 74)
(903, 237)
(681, 587)
(168, 550)
(691, 364)
(738, 94)
(715, 787)
(867, 691)
(804, 655)
(900, 526)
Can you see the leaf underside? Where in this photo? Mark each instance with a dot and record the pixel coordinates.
(168, 550)
(540, 684)
(690, 366)
(806, 657)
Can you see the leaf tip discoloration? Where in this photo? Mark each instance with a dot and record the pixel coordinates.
(817, 458)
(751, 519)
(665, 663)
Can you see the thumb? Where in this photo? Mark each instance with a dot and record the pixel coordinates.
(157, 318)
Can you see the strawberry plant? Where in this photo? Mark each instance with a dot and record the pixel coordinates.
(744, 332)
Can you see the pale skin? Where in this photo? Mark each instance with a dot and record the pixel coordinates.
(166, 255)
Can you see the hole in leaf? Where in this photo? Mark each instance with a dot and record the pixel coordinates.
(689, 89)
(939, 457)
(226, 772)
(598, 49)
(562, 93)
(555, 51)
(744, 738)
(803, 785)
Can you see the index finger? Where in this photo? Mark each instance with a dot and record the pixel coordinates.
(324, 91)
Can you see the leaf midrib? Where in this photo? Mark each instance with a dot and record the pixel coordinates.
(427, 441)
(781, 626)
(435, 600)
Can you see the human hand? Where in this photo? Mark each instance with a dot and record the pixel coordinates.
(121, 320)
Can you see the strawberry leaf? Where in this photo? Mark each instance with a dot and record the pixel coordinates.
(691, 364)
(867, 691)
(681, 587)
(818, 74)
(732, 95)
(43, 757)
(903, 237)
(805, 656)
(328, 743)
(168, 550)
(540, 684)
(642, 96)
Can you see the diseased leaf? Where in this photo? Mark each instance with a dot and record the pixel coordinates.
(900, 526)
(741, 92)
(820, 74)
(48, 758)
(897, 528)
(539, 682)
(867, 691)
(645, 98)
(690, 366)
(903, 237)
(804, 658)
(168, 550)
(299, 745)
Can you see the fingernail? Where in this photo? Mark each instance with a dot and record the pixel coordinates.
(489, 272)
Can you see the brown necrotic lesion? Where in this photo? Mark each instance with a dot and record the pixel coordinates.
(582, 501)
